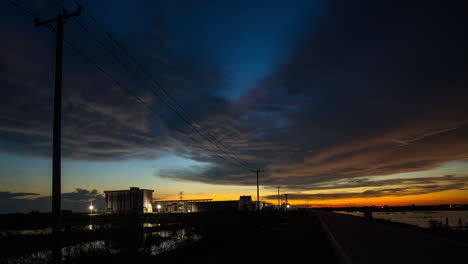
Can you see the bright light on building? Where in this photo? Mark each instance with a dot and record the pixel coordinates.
(158, 206)
(91, 207)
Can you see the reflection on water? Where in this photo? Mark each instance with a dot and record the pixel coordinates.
(175, 239)
(72, 228)
(128, 242)
(41, 231)
(151, 224)
(420, 218)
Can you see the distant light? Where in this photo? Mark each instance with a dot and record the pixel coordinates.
(91, 207)
(287, 206)
(158, 206)
(189, 211)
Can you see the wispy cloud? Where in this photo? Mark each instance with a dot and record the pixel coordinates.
(404, 191)
(375, 182)
(343, 189)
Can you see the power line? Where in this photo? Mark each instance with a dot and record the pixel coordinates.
(125, 66)
(87, 58)
(230, 155)
(129, 91)
(22, 8)
(155, 82)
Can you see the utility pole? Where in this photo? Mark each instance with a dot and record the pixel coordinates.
(181, 195)
(258, 189)
(279, 205)
(56, 149)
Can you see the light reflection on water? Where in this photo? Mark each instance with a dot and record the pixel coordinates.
(152, 243)
(175, 240)
(151, 224)
(41, 231)
(420, 218)
(48, 230)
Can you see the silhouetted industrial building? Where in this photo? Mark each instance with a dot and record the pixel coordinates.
(135, 200)
(244, 204)
(178, 206)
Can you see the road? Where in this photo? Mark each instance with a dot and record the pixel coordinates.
(364, 241)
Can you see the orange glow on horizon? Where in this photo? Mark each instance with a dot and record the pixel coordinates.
(446, 197)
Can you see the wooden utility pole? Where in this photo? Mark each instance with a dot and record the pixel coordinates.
(279, 205)
(258, 189)
(56, 149)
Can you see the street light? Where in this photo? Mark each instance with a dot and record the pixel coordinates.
(91, 207)
(159, 207)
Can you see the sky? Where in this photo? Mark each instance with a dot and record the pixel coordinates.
(341, 103)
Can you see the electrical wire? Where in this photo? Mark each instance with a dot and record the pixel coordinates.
(117, 83)
(125, 51)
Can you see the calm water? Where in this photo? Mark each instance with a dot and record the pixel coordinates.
(420, 218)
(151, 243)
(48, 230)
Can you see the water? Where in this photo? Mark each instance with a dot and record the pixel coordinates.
(40, 231)
(420, 218)
(150, 243)
(48, 230)
(175, 240)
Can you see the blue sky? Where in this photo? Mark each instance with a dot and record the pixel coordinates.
(245, 39)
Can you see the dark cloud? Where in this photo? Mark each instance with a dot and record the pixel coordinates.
(376, 182)
(213, 173)
(9, 195)
(403, 191)
(100, 120)
(77, 201)
(81, 194)
(376, 89)
(375, 188)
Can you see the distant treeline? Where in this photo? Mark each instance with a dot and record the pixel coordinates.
(442, 207)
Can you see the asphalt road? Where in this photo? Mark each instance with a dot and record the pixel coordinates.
(364, 241)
